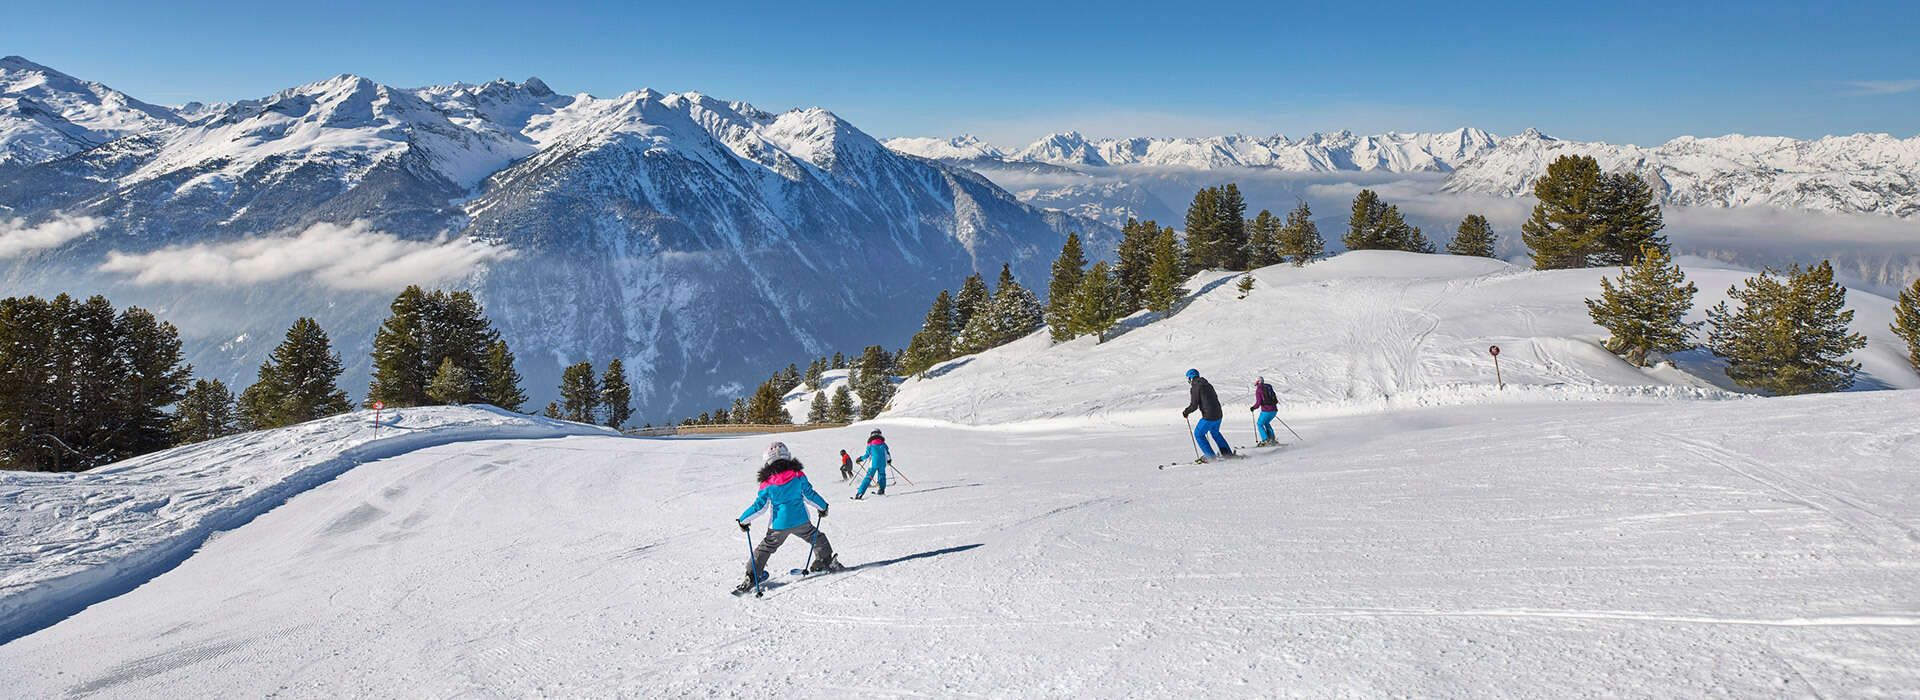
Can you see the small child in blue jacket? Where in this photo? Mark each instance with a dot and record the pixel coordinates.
(784, 486)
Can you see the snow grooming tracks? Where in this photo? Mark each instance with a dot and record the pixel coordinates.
(69, 541)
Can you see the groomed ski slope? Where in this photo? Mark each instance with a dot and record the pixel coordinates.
(1591, 530)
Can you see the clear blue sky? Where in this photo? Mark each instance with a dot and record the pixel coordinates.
(1620, 71)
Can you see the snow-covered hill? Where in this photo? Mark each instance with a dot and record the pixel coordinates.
(47, 114)
(704, 242)
(1861, 173)
(1593, 528)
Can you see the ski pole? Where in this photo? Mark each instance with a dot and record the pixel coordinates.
(1193, 442)
(813, 542)
(1289, 428)
(753, 571)
(901, 474)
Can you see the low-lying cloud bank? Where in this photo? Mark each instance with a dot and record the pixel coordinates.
(352, 257)
(17, 238)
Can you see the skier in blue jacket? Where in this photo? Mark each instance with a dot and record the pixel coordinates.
(784, 486)
(877, 459)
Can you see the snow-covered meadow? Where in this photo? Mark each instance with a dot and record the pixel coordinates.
(1593, 529)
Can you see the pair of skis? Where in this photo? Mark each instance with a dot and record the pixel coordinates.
(1237, 455)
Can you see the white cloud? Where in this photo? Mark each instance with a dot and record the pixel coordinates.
(352, 257)
(16, 237)
(1882, 87)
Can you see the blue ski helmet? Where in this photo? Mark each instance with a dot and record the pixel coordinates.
(1193, 374)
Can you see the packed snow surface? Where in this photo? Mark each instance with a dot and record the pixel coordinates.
(1426, 535)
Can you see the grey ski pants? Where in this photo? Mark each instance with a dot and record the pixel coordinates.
(822, 550)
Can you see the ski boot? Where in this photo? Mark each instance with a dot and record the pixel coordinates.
(830, 565)
(750, 582)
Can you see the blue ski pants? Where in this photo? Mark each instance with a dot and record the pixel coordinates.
(1263, 425)
(1211, 427)
(873, 470)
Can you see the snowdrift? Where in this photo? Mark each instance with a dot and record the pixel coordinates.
(1360, 332)
(69, 540)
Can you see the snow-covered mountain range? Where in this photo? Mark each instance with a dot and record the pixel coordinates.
(705, 242)
(1339, 151)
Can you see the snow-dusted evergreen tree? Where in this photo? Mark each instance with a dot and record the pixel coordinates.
(553, 410)
(737, 414)
(1630, 219)
(841, 409)
(1474, 238)
(296, 383)
(934, 343)
(839, 361)
(205, 413)
(449, 386)
(1263, 240)
(1067, 271)
(1646, 312)
(617, 395)
(1245, 285)
(872, 382)
(1906, 321)
(1095, 303)
(1300, 240)
(1231, 253)
(1013, 313)
(502, 386)
(817, 411)
(1789, 334)
(814, 370)
(1203, 229)
(972, 299)
(580, 393)
(1134, 261)
(1168, 273)
(1586, 217)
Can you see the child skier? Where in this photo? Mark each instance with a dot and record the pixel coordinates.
(846, 466)
(877, 459)
(1269, 405)
(784, 486)
(1208, 404)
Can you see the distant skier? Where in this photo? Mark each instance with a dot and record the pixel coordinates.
(1203, 399)
(877, 459)
(784, 486)
(846, 466)
(1269, 406)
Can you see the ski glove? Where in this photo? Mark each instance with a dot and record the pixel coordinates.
(744, 527)
(823, 513)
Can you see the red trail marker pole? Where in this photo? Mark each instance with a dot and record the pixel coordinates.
(1494, 350)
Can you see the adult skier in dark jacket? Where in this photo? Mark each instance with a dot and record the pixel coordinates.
(1202, 399)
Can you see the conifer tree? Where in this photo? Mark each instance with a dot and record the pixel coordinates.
(841, 409)
(205, 413)
(737, 414)
(1203, 229)
(617, 395)
(1231, 218)
(1630, 219)
(1017, 311)
(872, 382)
(1586, 217)
(400, 369)
(1300, 239)
(1474, 238)
(817, 411)
(766, 407)
(296, 383)
(1167, 274)
(502, 381)
(1095, 307)
(450, 384)
(580, 393)
(1363, 224)
(553, 410)
(1906, 321)
(972, 299)
(153, 376)
(839, 361)
(1067, 271)
(1134, 261)
(934, 343)
(1646, 312)
(1245, 285)
(1263, 240)
(814, 369)
(1789, 334)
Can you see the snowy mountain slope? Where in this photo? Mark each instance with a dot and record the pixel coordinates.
(46, 114)
(1393, 152)
(1861, 173)
(1650, 548)
(68, 540)
(1359, 332)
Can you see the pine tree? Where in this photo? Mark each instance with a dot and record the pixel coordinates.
(841, 409)
(617, 395)
(1906, 321)
(814, 370)
(553, 410)
(1564, 230)
(1647, 312)
(1135, 261)
(1167, 274)
(1095, 307)
(296, 383)
(1300, 239)
(737, 414)
(580, 393)
(33, 385)
(400, 369)
(1245, 285)
(872, 382)
(1789, 335)
(972, 299)
(205, 413)
(154, 376)
(502, 381)
(1017, 311)
(1067, 271)
(934, 343)
(1203, 229)
(1630, 219)
(1363, 224)
(839, 361)
(1263, 240)
(1232, 228)
(449, 385)
(817, 411)
(1474, 237)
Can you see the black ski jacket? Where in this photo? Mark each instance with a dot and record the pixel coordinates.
(1202, 399)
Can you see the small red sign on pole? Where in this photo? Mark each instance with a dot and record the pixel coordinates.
(1494, 350)
(377, 405)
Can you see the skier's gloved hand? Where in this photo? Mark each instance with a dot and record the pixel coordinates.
(744, 527)
(823, 512)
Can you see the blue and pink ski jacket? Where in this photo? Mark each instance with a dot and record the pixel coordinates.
(788, 491)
